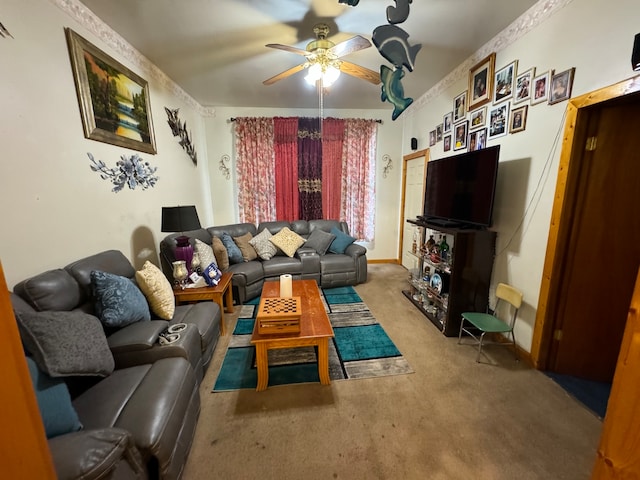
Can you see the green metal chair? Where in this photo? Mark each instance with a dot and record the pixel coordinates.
(484, 323)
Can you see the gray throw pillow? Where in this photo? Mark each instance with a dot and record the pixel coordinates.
(66, 343)
(118, 300)
(264, 248)
(319, 240)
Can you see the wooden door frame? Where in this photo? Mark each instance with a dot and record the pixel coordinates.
(574, 138)
(411, 156)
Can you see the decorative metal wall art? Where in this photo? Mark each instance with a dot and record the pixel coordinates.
(388, 165)
(226, 172)
(130, 171)
(179, 129)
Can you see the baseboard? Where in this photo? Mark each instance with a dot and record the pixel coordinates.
(384, 260)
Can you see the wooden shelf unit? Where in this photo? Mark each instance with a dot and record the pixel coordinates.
(468, 270)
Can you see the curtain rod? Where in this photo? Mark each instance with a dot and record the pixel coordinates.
(233, 119)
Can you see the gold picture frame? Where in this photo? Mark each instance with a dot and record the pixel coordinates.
(481, 77)
(119, 112)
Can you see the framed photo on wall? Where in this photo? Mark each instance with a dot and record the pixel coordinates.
(540, 91)
(439, 132)
(447, 143)
(432, 138)
(504, 83)
(518, 119)
(560, 86)
(524, 82)
(114, 101)
(460, 132)
(498, 121)
(478, 139)
(481, 82)
(478, 118)
(447, 121)
(460, 107)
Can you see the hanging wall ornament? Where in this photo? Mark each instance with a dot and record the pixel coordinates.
(180, 130)
(130, 171)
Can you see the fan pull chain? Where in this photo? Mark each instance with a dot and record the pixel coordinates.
(321, 104)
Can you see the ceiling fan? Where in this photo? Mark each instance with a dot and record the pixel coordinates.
(324, 59)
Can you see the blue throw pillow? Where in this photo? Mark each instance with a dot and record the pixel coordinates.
(341, 242)
(235, 255)
(54, 402)
(118, 301)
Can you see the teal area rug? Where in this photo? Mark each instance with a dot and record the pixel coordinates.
(361, 348)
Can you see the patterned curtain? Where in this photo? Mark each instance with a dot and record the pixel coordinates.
(332, 143)
(358, 177)
(255, 169)
(309, 168)
(285, 143)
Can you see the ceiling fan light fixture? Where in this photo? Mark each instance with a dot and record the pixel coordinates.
(331, 74)
(314, 74)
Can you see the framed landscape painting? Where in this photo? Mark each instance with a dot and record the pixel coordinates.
(114, 101)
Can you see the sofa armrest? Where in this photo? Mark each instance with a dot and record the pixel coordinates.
(99, 453)
(136, 336)
(355, 250)
(310, 262)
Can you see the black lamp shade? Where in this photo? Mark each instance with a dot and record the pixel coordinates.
(635, 54)
(180, 219)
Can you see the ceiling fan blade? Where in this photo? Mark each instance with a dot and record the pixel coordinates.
(360, 72)
(287, 48)
(349, 46)
(286, 73)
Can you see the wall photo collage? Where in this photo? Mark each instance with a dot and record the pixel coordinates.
(496, 103)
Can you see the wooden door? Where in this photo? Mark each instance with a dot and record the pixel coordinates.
(413, 181)
(603, 245)
(619, 450)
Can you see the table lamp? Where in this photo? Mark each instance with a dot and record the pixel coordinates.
(181, 219)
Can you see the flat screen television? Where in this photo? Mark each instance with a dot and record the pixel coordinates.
(460, 189)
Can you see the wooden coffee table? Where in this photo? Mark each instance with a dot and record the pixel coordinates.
(315, 330)
(222, 294)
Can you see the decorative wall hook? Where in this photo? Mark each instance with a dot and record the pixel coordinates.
(180, 130)
(388, 165)
(223, 166)
(131, 171)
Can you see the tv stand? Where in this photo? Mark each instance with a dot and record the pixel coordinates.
(466, 275)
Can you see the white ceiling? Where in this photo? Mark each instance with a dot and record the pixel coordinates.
(215, 49)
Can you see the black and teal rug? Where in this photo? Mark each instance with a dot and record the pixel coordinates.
(360, 349)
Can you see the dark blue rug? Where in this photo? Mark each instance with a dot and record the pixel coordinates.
(593, 395)
(361, 348)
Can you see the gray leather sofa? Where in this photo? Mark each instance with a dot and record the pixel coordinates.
(329, 270)
(139, 421)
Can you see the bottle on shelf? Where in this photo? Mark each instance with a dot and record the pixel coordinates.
(414, 245)
(444, 249)
(430, 244)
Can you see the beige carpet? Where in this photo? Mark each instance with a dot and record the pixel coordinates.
(451, 419)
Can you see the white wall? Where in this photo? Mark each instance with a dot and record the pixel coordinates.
(54, 208)
(221, 142)
(595, 37)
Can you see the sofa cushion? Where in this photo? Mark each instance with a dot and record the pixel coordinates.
(51, 290)
(263, 247)
(243, 242)
(220, 252)
(54, 402)
(66, 343)
(287, 241)
(157, 290)
(205, 254)
(235, 255)
(118, 301)
(341, 242)
(320, 241)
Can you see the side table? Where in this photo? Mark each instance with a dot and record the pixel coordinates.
(222, 294)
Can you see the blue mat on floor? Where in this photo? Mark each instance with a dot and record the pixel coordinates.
(361, 348)
(593, 395)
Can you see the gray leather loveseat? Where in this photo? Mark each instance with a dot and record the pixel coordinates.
(328, 269)
(138, 417)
